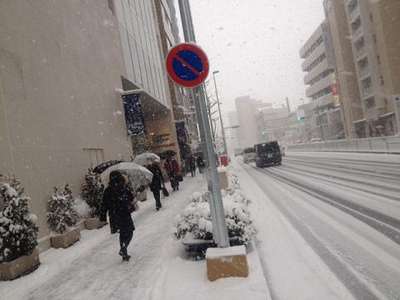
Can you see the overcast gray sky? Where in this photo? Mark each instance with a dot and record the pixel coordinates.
(255, 45)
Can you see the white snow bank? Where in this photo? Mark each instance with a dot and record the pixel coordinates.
(82, 208)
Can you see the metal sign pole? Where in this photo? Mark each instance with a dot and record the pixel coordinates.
(220, 231)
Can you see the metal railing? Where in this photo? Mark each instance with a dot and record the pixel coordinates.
(369, 145)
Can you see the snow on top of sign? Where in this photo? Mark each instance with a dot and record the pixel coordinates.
(213, 253)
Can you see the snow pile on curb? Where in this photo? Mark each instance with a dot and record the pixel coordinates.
(195, 220)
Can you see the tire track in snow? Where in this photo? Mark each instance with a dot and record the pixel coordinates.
(386, 225)
(350, 280)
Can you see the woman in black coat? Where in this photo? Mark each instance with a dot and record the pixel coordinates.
(118, 201)
(157, 183)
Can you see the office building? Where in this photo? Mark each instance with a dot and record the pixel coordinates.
(319, 64)
(375, 42)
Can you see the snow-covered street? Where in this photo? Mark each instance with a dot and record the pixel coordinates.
(344, 208)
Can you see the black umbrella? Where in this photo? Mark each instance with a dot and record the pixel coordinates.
(105, 165)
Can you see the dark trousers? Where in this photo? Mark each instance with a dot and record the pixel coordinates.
(125, 237)
(113, 223)
(157, 196)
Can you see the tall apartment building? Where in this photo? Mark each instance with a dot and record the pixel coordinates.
(345, 69)
(60, 64)
(375, 42)
(319, 64)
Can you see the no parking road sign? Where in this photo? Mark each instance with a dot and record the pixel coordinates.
(187, 65)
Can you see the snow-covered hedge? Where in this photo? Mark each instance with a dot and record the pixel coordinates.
(18, 230)
(92, 192)
(61, 213)
(195, 221)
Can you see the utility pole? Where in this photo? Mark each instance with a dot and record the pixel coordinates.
(220, 232)
(220, 115)
(288, 105)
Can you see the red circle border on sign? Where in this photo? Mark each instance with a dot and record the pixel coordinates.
(200, 53)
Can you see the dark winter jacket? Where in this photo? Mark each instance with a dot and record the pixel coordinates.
(118, 201)
(158, 181)
(200, 162)
(172, 167)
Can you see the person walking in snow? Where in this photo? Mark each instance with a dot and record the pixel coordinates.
(172, 168)
(192, 165)
(157, 183)
(119, 198)
(200, 163)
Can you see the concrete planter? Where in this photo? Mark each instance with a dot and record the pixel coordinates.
(66, 239)
(20, 266)
(94, 223)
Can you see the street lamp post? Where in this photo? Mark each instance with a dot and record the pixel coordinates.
(220, 115)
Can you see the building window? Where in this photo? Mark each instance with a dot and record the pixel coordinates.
(381, 80)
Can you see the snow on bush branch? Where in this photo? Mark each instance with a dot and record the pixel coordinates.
(61, 213)
(195, 221)
(92, 192)
(18, 230)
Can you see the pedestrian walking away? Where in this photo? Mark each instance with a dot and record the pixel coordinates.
(157, 183)
(119, 199)
(200, 163)
(172, 168)
(192, 165)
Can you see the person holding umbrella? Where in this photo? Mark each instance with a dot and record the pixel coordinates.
(119, 199)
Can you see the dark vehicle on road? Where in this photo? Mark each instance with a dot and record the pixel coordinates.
(268, 154)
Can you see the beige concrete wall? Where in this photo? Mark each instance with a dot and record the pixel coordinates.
(387, 24)
(60, 63)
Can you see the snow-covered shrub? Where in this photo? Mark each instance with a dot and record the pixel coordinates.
(196, 218)
(238, 221)
(233, 182)
(18, 230)
(199, 197)
(92, 191)
(61, 213)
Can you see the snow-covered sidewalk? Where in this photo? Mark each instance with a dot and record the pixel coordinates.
(91, 269)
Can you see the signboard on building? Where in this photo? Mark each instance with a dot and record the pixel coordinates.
(187, 65)
(300, 115)
(133, 114)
